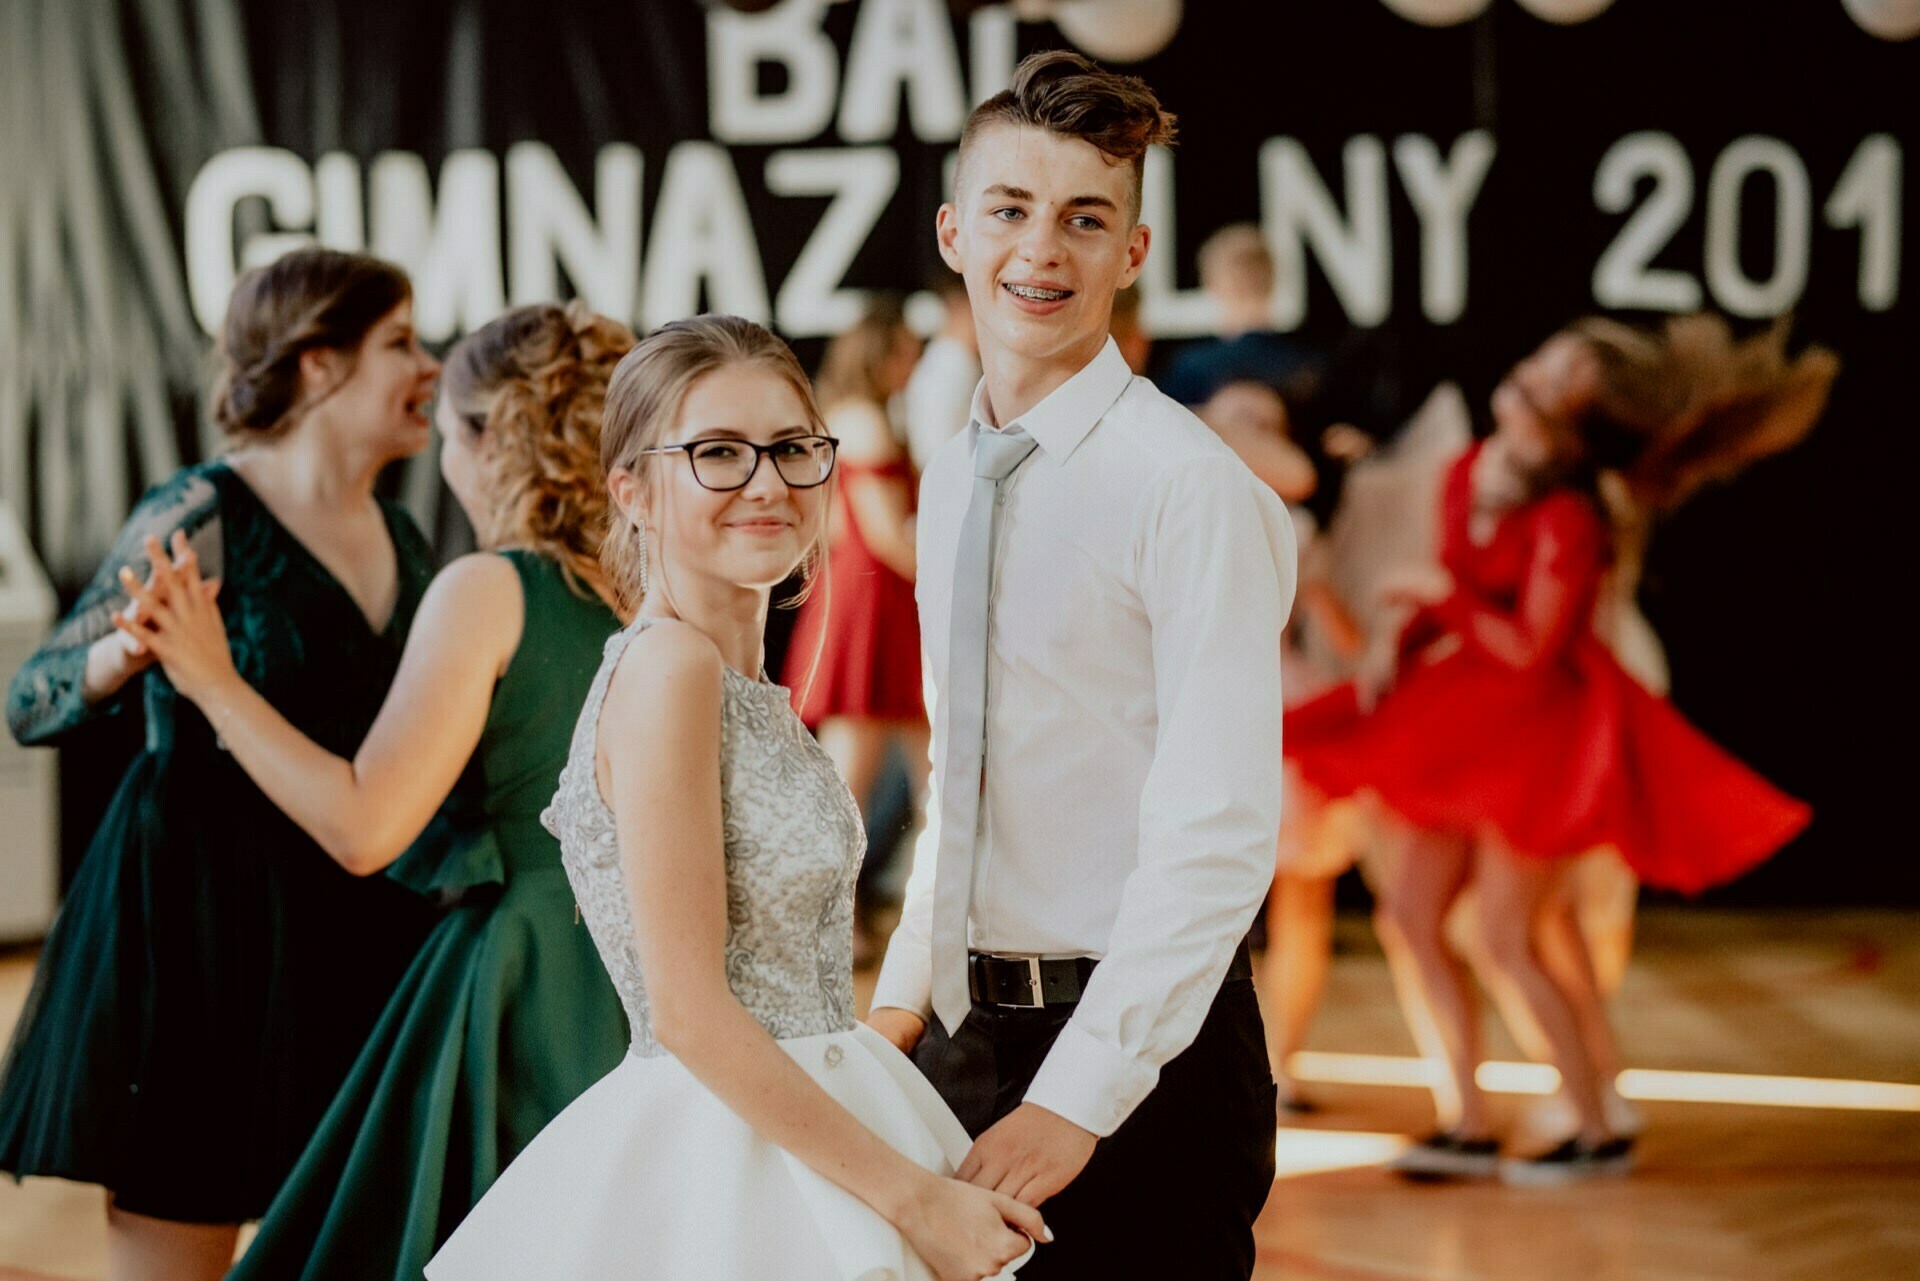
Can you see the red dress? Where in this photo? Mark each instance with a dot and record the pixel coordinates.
(1509, 712)
(870, 662)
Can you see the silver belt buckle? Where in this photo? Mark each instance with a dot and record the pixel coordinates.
(1033, 978)
(1033, 983)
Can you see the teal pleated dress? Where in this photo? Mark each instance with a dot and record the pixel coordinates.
(506, 1014)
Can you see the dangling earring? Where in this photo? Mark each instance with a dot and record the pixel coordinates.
(640, 532)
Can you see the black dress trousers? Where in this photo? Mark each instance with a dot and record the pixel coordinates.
(1174, 1191)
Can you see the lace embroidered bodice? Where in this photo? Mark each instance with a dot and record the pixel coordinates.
(793, 841)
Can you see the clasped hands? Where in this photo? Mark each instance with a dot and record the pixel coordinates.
(173, 617)
(1030, 1154)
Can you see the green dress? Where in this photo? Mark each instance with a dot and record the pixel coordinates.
(194, 1009)
(506, 1014)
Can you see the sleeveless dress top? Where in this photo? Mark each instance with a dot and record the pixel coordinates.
(648, 1174)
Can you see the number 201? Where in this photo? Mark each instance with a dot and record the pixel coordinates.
(1867, 197)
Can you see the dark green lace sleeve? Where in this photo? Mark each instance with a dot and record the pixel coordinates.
(45, 700)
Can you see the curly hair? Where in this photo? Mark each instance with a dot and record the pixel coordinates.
(306, 300)
(532, 385)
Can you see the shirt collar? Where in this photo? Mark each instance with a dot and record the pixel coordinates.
(1062, 420)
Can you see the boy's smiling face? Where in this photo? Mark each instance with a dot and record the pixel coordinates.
(1043, 230)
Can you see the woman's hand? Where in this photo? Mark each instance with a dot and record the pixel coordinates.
(1378, 668)
(965, 1233)
(114, 659)
(1345, 443)
(1415, 586)
(122, 654)
(177, 620)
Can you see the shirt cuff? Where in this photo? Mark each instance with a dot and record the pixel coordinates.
(906, 981)
(1090, 1083)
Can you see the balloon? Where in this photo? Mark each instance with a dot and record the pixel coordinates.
(1566, 12)
(1888, 19)
(1438, 13)
(1118, 30)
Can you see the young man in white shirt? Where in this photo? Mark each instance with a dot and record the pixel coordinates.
(1101, 592)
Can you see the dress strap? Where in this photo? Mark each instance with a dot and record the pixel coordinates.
(579, 771)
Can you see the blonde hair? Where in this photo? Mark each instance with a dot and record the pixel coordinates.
(533, 385)
(644, 399)
(1688, 403)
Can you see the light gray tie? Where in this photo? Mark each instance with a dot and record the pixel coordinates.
(964, 703)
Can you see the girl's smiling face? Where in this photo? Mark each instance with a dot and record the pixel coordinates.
(752, 537)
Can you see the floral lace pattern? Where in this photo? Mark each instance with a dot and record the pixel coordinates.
(279, 604)
(44, 700)
(793, 841)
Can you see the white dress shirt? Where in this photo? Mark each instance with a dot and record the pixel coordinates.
(936, 397)
(1132, 784)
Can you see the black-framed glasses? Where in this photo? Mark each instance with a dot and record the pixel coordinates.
(723, 463)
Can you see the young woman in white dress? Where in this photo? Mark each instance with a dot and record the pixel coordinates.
(755, 1129)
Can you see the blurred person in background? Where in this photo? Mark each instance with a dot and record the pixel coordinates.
(854, 660)
(943, 381)
(1586, 934)
(195, 1010)
(461, 1071)
(1319, 838)
(1252, 419)
(1236, 271)
(1507, 738)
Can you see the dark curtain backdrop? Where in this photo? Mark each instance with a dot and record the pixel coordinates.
(497, 148)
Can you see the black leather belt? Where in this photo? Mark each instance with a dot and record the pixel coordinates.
(1036, 982)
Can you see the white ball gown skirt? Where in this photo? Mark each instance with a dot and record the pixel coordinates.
(650, 1177)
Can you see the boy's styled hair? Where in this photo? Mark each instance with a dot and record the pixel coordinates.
(1069, 96)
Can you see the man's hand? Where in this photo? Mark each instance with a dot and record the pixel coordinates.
(1029, 1155)
(902, 1027)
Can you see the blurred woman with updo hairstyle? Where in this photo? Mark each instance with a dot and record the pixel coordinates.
(854, 658)
(1507, 738)
(194, 1009)
(445, 796)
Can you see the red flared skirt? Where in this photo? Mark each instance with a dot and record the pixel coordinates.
(1558, 760)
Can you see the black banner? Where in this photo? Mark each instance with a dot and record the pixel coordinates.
(1452, 177)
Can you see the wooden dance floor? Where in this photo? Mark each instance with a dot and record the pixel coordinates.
(1816, 1176)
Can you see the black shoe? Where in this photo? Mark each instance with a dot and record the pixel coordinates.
(1448, 1156)
(1569, 1163)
